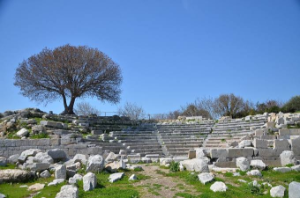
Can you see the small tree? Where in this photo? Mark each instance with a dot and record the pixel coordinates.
(69, 72)
(132, 110)
(85, 109)
(228, 105)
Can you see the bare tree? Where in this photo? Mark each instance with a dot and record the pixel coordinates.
(228, 105)
(192, 110)
(85, 109)
(132, 110)
(207, 104)
(69, 72)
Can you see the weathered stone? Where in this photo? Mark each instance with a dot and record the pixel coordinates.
(296, 168)
(55, 182)
(243, 163)
(2, 195)
(89, 181)
(27, 153)
(283, 145)
(61, 172)
(52, 124)
(23, 132)
(165, 161)
(146, 160)
(294, 190)
(36, 187)
(197, 165)
(80, 158)
(43, 158)
(133, 177)
(245, 143)
(57, 154)
(218, 187)
(258, 164)
(37, 129)
(295, 143)
(115, 177)
(218, 153)
(235, 153)
(95, 164)
(45, 174)
(206, 177)
(68, 191)
(35, 166)
(259, 143)
(15, 175)
(287, 157)
(13, 159)
(277, 191)
(111, 157)
(282, 169)
(254, 173)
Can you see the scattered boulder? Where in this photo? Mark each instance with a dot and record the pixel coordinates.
(95, 163)
(57, 155)
(61, 172)
(245, 143)
(206, 177)
(277, 191)
(25, 154)
(55, 182)
(23, 132)
(45, 174)
(112, 157)
(115, 177)
(2, 195)
(36, 187)
(218, 187)
(133, 177)
(197, 165)
(165, 161)
(15, 175)
(254, 173)
(287, 157)
(43, 158)
(28, 165)
(243, 163)
(38, 129)
(68, 191)
(294, 190)
(282, 169)
(258, 164)
(89, 182)
(296, 168)
(13, 159)
(80, 158)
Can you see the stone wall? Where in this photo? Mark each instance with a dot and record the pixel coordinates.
(71, 146)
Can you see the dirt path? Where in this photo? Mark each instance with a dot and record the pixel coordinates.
(160, 186)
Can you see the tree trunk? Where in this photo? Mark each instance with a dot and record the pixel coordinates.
(69, 110)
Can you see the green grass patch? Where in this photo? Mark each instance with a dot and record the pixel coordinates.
(8, 166)
(39, 136)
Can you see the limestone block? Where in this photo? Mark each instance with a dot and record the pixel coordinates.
(218, 153)
(258, 143)
(283, 145)
(235, 153)
(294, 190)
(295, 143)
(89, 181)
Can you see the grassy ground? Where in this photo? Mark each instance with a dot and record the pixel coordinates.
(126, 189)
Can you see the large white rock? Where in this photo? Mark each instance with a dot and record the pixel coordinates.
(13, 159)
(287, 157)
(3, 161)
(206, 177)
(245, 143)
(57, 154)
(197, 165)
(15, 175)
(68, 191)
(296, 168)
(55, 182)
(243, 163)
(254, 173)
(95, 164)
(218, 187)
(43, 158)
(294, 190)
(258, 164)
(115, 177)
(25, 154)
(277, 191)
(36, 187)
(45, 174)
(2, 195)
(23, 132)
(165, 161)
(112, 157)
(80, 158)
(61, 172)
(89, 182)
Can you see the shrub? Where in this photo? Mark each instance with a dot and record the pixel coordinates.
(174, 166)
(292, 105)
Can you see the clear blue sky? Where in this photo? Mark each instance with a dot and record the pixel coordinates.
(170, 51)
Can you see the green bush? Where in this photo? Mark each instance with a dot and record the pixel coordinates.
(174, 166)
(292, 105)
